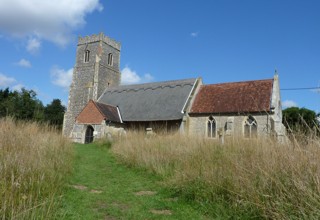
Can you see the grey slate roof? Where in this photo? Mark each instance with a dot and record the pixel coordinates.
(160, 101)
(109, 112)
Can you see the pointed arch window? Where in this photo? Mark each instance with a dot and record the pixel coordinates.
(250, 127)
(211, 128)
(86, 56)
(110, 59)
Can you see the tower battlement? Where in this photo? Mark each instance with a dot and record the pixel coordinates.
(99, 37)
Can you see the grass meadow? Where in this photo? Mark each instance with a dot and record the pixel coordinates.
(190, 176)
(256, 178)
(34, 162)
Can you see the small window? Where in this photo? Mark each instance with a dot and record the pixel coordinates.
(211, 128)
(228, 128)
(110, 59)
(86, 56)
(250, 127)
(229, 124)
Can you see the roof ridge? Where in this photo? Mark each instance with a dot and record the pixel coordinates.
(152, 86)
(105, 104)
(247, 81)
(146, 88)
(167, 81)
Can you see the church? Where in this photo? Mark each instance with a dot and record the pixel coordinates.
(99, 106)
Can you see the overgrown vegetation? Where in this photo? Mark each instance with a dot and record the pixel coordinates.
(24, 105)
(34, 161)
(254, 178)
(301, 120)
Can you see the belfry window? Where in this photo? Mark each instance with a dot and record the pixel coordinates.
(250, 127)
(211, 128)
(86, 56)
(110, 59)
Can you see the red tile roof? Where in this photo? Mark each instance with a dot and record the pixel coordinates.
(236, 97)
(95, 113)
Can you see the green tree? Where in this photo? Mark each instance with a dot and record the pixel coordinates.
(25, 104)
(4, 94)
(54, 113)
(300, 119)
(21, 105)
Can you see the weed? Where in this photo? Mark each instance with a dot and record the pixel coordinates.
(256, 178)
(103, 143)
(34, 160)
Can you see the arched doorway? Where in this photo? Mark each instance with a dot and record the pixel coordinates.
(89, 135)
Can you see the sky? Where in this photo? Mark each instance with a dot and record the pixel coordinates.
(217, 40)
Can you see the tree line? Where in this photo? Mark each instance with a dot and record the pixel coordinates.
(24, 105)
(301, 120)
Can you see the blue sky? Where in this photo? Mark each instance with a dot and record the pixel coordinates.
(218, 40)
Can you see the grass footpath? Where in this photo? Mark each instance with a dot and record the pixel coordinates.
(101, 188)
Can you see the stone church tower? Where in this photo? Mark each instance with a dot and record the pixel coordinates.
(97, 67)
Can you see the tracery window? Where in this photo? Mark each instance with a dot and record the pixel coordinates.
(110, 59)
(211, 128)
(250, 127)
(86, 56)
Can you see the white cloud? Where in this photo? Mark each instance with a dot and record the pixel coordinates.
(33, 45)
(129, 76)
(6, 81)
(24, 63)
(43, 19)
(148, 77)
(18, 87)
(289, 103)
(194, 34)
(61, 77)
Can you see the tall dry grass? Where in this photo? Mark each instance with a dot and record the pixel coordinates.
(271, 180)
(33, 162)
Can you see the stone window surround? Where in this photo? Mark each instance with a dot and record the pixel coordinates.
(212, 121)
(251, 124)
(86, 56)
(110, 59)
